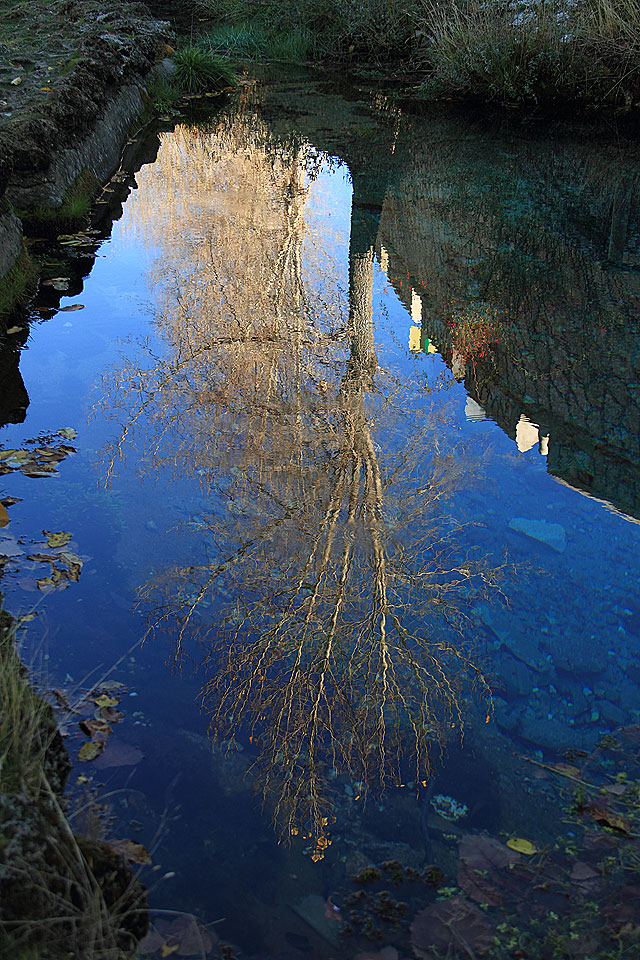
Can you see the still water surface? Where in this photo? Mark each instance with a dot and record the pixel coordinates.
(357, 404)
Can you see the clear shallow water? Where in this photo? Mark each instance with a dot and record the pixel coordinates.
(356, 401)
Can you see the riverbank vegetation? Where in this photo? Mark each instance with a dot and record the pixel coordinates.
(506, 51)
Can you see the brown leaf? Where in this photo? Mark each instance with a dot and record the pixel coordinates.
(36, 470)
(96, 729)
(567, 770)
(582, 871)
(607, 818)
(617, 789)
(133, 852)
(4, 516)
(109, 714)
(119, 754)
(451, 925)
(192, 938)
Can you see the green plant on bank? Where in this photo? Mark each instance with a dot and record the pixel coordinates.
(200, 71)
(70, 216)
(334, 28)
(253, 41)
(17, 286)
(533, 52)
(164, 97)
(26, 723)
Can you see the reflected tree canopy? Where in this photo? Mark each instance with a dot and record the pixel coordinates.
(331, 581)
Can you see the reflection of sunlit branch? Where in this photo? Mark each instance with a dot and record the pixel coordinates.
(333, 568)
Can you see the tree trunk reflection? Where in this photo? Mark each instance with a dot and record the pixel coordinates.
(335, 571)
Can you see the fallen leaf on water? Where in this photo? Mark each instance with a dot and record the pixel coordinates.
(104, 701)
(606, 818)
(119, 754)
(108, 714)
(616, 788)
(192, 937)
(57, 539)
(567, 770)
(9, 548)
(68, 433)
(522, 846)
(71, 559)
(96, 729)
(46, 584)
(89, 751)
(582, 871)
(4, 516)
(9, 501)
(18, 455)
(28, 585)
(38, 471)
(166, 949)
(133, 852)
(151, 943)
(73, 306)
(16, 81)
(13, 330)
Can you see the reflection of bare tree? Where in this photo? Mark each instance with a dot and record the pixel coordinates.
(334, 568)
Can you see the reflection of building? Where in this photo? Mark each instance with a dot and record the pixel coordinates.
(564, 374)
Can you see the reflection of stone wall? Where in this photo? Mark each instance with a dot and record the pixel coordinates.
(569, 356)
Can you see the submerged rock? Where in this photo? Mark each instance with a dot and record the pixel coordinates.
(551, 534)
(515, 633)
(556, 736)
(313, 910)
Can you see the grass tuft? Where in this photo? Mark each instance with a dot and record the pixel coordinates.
(200, 71)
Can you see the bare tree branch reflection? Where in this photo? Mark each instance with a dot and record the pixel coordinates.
(331, 588)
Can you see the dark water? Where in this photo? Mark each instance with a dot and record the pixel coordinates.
(357, 409)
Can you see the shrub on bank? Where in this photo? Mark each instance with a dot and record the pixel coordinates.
(532, 50)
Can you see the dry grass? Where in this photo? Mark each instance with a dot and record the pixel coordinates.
(538, 52)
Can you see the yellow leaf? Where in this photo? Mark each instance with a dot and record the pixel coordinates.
(167, 950)
(4, 516)
(89, 751)
(45, 88)
(57, 539)
(521, 846)
(104, 701)
(38, 471)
